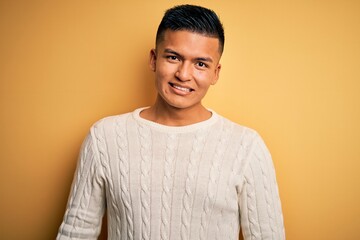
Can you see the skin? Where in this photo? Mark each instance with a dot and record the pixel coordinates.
(185, 64)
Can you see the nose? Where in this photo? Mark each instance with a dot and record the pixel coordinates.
(184, 72)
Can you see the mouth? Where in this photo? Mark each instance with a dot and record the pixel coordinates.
(183, 89)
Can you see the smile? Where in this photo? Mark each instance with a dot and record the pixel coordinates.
(184, 89)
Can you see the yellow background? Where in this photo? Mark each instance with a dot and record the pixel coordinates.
(290, 70)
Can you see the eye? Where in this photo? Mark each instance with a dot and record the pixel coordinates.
(172, 58)
(202, 65)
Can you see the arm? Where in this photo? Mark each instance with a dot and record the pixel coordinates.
(259, 202)
(86, 204)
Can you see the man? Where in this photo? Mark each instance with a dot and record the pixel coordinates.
(176, 170)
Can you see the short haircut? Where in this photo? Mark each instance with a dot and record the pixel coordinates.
(194, 19)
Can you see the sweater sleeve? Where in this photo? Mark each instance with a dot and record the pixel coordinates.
(259, 202)
(86, 204)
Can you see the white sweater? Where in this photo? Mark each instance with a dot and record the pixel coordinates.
(200, 181)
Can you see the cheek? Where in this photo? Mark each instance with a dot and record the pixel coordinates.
(161, 79)
(204, 79)
(165, 71)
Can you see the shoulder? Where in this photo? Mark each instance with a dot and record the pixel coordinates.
(251, 143)
(244, 134)
(110, 121)
(246, 139)
(108, 126)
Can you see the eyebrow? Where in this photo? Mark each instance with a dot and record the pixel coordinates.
(202, 59)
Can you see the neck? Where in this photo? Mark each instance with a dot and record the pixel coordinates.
(171, 116)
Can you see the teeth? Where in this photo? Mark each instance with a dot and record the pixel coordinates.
(182, 88)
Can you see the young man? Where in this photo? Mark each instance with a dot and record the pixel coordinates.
(176, 170)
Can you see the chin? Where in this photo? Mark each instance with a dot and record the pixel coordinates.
(180, 106)
(177, 102)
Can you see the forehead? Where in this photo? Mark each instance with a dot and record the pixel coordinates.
(190, 42)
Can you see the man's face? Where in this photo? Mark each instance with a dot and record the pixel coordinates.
(185, 65)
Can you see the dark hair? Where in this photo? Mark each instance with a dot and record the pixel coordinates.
(192, 18)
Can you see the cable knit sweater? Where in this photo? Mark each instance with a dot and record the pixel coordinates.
(200, 181)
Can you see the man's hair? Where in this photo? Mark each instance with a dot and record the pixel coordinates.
(194, 19)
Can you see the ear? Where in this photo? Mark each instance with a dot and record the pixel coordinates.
(152, 61)
(217, 74)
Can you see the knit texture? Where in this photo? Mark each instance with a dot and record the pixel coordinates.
(201, 181)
